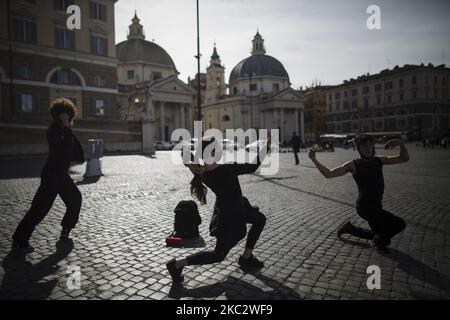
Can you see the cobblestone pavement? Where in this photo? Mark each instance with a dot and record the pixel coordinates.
(126, 215)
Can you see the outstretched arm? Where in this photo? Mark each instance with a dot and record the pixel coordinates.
(400, 158)
(248, 168)
(336, 172)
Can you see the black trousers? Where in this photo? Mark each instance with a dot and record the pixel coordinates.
(220, 252)
(382, 223)
(297, 161)
(43, 201)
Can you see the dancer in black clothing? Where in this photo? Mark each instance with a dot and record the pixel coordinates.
(296, 142)
(231, 213)
(368, 174)
(64, 147)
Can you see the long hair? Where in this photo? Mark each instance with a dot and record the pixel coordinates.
(198, 189)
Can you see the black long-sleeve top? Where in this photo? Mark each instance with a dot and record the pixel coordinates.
(229, 216)
(224, 181)
(63, 147)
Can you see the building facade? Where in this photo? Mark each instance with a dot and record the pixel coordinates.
(193, 83)
(413, 99)
(41, 59)
(259, 95)
(150, 91)
(315, 111)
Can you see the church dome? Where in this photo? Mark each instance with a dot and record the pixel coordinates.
(137, 49)
(258, 64)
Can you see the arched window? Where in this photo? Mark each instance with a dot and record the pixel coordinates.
(65, 77)
(226, 118)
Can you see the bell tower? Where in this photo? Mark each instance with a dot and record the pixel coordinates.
(215, 79)
(136, 30)
(258, 44)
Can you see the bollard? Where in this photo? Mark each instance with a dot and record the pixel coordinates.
(93, 154)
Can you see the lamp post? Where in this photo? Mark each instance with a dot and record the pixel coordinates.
(199, 103)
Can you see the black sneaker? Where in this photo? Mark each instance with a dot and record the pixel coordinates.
(175, 272)
(380, 242)
(65, 234)
(344, 229)
(250, 263)
(22, 248)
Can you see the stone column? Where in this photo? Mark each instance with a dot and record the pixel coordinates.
(302, 123)
(182, 117)
(148, 138)
(282, 127)
(190, 125)
(148, 131)
(274, 119)
(296, 126)
(162, 121)
(262, 119)
(240, 117)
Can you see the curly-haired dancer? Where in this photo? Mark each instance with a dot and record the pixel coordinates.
(64, 147)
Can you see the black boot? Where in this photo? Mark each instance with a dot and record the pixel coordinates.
(250, 263)
(175, 272)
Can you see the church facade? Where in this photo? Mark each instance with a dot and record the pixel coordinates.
(150, 90)
(258, 95)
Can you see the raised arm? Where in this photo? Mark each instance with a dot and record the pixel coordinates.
(336, 172)
(247, 168)
(400, 158)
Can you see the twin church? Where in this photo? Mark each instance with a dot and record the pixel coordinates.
(258, 94)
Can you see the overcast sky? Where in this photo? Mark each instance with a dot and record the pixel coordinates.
(327, 40)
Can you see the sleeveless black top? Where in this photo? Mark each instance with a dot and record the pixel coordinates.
(370, 181)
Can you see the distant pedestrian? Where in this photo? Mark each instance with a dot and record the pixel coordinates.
(368, 174)
(296, 142)
(64, 147)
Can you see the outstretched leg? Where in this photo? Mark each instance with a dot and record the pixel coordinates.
(41, 205)
(71, 197)
(219, 254)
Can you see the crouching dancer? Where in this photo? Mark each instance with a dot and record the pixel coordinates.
(368, 174)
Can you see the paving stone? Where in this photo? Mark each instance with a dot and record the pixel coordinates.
(127, 213)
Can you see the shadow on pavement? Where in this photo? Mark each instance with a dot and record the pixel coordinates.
(21, 167)
(90, 180)
(22, 279)
(419, 270)
(237, 289)
(276, 178)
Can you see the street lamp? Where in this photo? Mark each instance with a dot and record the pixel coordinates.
(199, 103)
